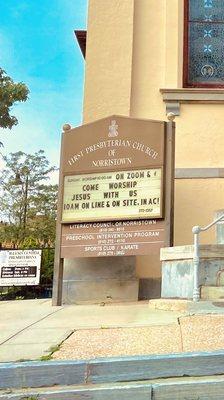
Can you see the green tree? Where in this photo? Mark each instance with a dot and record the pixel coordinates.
(10, 93)
(27, 204)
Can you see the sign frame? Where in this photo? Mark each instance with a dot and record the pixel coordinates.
(167, 186)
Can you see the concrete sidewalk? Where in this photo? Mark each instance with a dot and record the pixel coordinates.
(29, 328)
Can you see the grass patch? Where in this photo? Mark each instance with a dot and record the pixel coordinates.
(52, 350)
(30, 398)
(55, 348)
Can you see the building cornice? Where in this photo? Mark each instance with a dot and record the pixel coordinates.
(199, 173)
(174, 97)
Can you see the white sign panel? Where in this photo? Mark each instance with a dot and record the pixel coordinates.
(20, 267)
(108, 196)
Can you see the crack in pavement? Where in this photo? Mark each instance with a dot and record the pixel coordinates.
(28, 326)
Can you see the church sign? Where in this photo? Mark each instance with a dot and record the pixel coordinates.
(115, 189)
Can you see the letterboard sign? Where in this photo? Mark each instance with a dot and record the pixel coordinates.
(122, 195)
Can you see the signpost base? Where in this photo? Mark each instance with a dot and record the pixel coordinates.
(100, 280)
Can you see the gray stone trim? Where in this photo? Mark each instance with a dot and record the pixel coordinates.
(199, 173)
(207, 251)
(174, 97)
(193, 95)
(110, 370)
(173, 107)
(159, 389)
(128, 391)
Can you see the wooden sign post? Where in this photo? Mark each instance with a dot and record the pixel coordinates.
(115, 191)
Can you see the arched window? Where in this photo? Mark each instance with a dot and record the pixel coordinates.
(204, 43)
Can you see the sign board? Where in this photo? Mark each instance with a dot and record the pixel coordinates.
(112, 238)
(108, 196)
(113, 144)
(115, 190)
(20, 267)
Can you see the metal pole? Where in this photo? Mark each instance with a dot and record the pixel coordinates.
(196, 259)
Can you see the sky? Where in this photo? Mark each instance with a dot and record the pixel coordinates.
(38, 47)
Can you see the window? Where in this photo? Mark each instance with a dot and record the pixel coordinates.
(204, 43)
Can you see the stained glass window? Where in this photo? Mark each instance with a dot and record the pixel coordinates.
(204, 43)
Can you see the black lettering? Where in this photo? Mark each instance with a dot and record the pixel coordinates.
(71, 206)
(143, 202)
(84, 196)
(133, 193)
(88, 188)
(98, 204)
(111, 195)
(135, 174)
(130, 202)
(122, 185)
